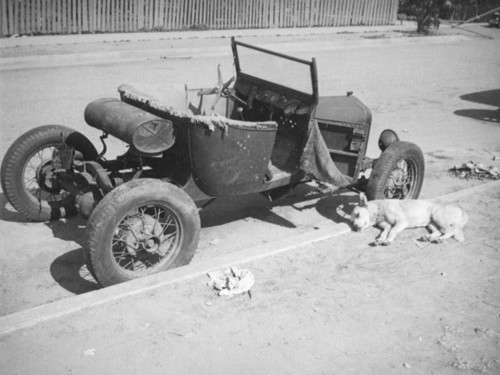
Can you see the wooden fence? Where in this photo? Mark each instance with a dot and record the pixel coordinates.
(34, 17)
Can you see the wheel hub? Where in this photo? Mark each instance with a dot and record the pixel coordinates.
(46, 178)
(143, 233)
(398, 183)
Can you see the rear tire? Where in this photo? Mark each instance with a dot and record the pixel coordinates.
(142, 227)
(21, 165)
(398, 173)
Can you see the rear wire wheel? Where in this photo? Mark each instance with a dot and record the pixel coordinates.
(398, 173)
(27, 173)
(142, 227)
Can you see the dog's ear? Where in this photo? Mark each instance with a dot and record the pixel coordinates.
(362, 200)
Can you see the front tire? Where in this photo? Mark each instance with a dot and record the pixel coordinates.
(398, 173)
(20, 172)
(142, 227)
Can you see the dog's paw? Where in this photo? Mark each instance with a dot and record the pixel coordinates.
(380, 243)
(437, 240)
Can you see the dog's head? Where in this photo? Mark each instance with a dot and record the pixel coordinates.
(360, 216)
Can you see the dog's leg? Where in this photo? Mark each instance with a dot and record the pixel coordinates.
(448, 234)
(395, 230)
(435, 233)
(459, 227)
(381, 238)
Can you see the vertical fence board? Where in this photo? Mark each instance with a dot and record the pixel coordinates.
(56, 18)
(53, 16)
(45, 16)
(170, 15)
(4, 31)
(15, 14)
(31, 26)
(23, 17)
(376, 12)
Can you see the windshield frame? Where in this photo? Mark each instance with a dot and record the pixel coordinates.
(311, 64)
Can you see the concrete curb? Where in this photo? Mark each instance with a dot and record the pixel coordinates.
(75, 59)
(326, 230)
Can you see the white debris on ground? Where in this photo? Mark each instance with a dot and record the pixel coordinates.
(232, 281)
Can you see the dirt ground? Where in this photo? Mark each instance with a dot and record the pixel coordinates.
(336, 307)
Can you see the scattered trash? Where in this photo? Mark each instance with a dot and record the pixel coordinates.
(323, 187)
(88, 352)
(471, 170)
(232, 281)
(486, 332)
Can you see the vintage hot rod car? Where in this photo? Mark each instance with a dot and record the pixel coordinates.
(143, 206)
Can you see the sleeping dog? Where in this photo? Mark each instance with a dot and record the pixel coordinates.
(394, 215)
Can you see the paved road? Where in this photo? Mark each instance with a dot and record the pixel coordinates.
(411, 86)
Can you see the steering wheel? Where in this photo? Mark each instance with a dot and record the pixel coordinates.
(219, 90)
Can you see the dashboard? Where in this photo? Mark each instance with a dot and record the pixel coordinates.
(284, 101)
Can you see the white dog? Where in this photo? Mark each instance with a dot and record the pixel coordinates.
(394, 215)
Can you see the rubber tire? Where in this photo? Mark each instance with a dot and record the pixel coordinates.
(17, 156)
(385, 164)
(115, 205)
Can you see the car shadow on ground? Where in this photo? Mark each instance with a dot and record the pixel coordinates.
(68, 229)
(70, 272)
(256, 206)
(7, 213)
(338, 206)
(69, 269)
(488, 97)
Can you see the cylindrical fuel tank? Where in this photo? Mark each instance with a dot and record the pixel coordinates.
(144, 131)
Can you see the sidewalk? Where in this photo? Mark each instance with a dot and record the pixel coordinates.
(64, 50)
(206, 34)
(327, 306)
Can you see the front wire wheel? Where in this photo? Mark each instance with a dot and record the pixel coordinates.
(398, 173)
(146, 239)
(141, 227)
(401, 181)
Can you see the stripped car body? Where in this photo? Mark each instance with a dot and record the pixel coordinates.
(143, 205)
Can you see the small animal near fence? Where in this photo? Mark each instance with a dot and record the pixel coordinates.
(38, 17)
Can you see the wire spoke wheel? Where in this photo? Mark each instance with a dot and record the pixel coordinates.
(27, 175)
(37, 182)
(141, 227)
(402, 180)
(146, 239)
(398, 173)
